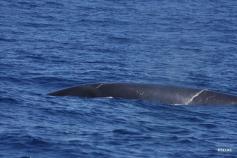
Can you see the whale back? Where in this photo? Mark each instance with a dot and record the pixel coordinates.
(150, 92)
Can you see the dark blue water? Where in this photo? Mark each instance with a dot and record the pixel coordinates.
(47, 45)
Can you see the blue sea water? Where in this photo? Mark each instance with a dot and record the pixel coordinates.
(48, 45)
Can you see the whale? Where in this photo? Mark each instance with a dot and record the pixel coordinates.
(164, 94)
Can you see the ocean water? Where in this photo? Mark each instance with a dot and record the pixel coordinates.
(48, 45)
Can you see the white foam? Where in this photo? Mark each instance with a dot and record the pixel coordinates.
(194, 96)
(110, 97)
(99, 85)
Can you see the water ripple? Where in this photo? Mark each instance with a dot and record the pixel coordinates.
(48, 45)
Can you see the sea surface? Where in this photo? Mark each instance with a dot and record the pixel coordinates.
(47, 45)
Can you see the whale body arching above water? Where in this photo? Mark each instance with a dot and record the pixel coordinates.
(150, 92)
